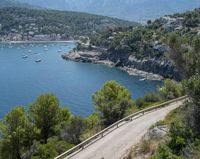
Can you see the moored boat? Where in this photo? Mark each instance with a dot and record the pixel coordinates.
(38, 60)
(25, 56)
(143, 79)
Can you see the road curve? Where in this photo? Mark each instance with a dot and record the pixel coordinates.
(116, 144)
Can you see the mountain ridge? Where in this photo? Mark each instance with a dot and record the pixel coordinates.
(134, 10)
(14, 3)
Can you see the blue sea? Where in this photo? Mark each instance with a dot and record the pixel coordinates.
(22, 79)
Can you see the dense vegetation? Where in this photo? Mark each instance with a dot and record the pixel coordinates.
(46, 129)
(151, 40)
(184, 135)
(30, 22)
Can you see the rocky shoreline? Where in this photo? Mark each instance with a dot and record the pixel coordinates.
(99, 58)
(143, 74)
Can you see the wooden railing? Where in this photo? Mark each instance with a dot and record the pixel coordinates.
(114, 126)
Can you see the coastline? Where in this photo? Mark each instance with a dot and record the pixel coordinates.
(94, 57)
(145, 75)
(133, 71)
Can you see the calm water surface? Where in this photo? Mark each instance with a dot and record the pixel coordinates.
(22, 80)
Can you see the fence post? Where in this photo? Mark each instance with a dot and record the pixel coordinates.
(82, 147)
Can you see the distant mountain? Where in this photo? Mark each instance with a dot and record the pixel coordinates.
(135, 10)
(13, 3)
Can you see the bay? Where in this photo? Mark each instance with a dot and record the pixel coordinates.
(22, 79)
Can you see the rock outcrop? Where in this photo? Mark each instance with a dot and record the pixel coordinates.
(146, 67)
(156, 133)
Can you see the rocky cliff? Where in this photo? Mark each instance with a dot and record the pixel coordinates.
(145, 67)
(158, 66)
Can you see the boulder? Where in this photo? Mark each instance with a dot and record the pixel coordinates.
(156, 133)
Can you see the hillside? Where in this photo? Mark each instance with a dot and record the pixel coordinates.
(135, 10)
(143, 48)
(33, 24)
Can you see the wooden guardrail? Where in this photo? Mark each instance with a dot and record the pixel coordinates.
(114, 126)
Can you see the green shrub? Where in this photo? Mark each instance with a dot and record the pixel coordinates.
(53, 148)
(140, 102)
(93, 126)
(164, 152)
(152, 97)
(148, 99)
(193, 89)
(180, 135)
(74, 129)
(60, 145)
(171, 90)
(44, 151)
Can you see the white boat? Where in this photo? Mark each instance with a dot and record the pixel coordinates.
(38, 60)
(143, 79)
(59, 50)
(25, 56)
